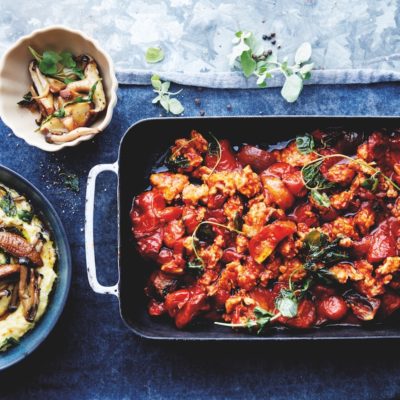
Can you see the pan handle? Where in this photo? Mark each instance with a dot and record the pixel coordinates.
(89, 238)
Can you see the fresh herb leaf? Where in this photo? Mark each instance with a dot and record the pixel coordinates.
(249, 56)
(67, 59)
(196, 266)
(321, 198)
(371, 183)
(71, 181)
(303, 53)
(247, 63)
(48, 63)
(238, 222)
(7, 203)
(27, 100)
(292, 88)
(177, 162)
(287, 304)
(25, 215)
(263, 318)
(319, 250)
(163, 97)
(305, 144)
(6, 343)
(315, 181)
(154, 55)
(205, 233)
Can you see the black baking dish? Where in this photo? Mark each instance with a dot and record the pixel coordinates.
(141, 149)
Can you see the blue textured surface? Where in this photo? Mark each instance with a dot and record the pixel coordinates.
(92, 355)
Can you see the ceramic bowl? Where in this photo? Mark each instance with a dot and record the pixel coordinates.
(32, 339)
(15, 82)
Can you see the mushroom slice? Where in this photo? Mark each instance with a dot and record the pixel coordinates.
(69, 137)
(13, 305)
(55, 85)
(44, 98)
(19, 247)
(9, 269)
(92, 77)
(29, 292)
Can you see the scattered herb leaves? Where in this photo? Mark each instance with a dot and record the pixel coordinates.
(163, 97)
(71, 181)
(250, 57)
(319, 249)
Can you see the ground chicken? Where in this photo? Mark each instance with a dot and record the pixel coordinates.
(169, 184)
(345, 271)
(247, 182)
(364, 220)
(292, 156)
(340, 173)
(233, 207)
(192, 194)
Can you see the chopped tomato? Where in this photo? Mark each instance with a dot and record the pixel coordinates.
(156, 308)
(185, 304)
(333, 308)
(258, 159)
(383, 241)
(228, 160)
(263, 244)
(304, 213)
(277, 190)
(149, 246)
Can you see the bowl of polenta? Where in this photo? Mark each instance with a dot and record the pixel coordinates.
(35, 267)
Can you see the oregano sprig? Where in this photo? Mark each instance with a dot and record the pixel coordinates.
(163, 97)
(249, 56)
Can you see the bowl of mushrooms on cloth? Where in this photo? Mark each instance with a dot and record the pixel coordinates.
(35, 268)
(57, 88)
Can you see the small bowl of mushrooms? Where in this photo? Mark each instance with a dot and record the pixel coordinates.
(57, 88)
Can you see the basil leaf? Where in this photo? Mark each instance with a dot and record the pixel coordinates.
(305, 144)
(177, 162)
(371, 183)
(154, 55)
(287, 306)
(321, 198)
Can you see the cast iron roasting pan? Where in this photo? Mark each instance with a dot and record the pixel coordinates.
(143, 147)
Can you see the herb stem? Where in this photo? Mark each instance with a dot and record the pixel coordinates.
(356, 160)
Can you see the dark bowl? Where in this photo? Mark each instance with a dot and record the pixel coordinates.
(31, 340)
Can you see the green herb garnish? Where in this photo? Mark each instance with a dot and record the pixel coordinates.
(319, 249)
(163, 97)
(27, 100)
(249, 55)
(61, 66)
(71, 181)
(305, 144)
(371, 183)
(25, 215)
(154, 55)
(7, 203)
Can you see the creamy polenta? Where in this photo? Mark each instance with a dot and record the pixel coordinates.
(27, 261)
